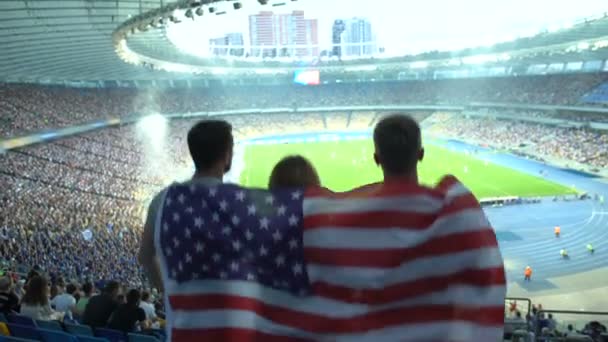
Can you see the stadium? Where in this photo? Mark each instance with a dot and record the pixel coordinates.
(97, 98)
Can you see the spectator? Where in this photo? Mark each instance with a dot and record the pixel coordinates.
(65, 302)
(9, 302)
(293, 171)
(35, 303)
(148, 307)
(127, 316)
(87, 290)
(100, 307)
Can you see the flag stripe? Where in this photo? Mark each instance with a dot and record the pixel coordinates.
(418, 203)
(402, 291)
(468, 220)
(431, 266)
(456, 294)
(215, 305)
(364, 218)
(429, 332)
(394, 257)
(232, 334)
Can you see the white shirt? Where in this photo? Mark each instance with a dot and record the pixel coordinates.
(148, 309)
(63, 302)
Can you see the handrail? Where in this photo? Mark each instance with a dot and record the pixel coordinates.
(567, 312)
(521, 299)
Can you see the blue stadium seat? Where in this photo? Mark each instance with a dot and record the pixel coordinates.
(78, 329)
(91, 339)
(56, 336)
(49, 325)
(3, 318)
(111, 334)
(24, 331)
(22, 320)
(15, 339)
(142, 338)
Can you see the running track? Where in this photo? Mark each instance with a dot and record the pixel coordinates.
(525, 232)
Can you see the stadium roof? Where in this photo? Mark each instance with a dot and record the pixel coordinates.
(50, 40)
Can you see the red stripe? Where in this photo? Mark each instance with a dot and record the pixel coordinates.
(485, 316)
(229, 334)
(371, 219)
(393, 257)
(402, 291)
(393, 219)
(391, 189)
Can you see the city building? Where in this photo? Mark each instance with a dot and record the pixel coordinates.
(283, 35)
(230, 44)
(353, 38)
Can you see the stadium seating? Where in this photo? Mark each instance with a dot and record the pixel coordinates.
(141, 338)
(24, 331)
(21, 320)
(56, 336)
(111, 335)
(49, 325)
(15, 339)
(78, 329)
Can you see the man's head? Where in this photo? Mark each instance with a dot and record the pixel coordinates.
(112, 289)
(133, 297)
(70, 289)
(210, 143)
(398, 146)
(145, 296)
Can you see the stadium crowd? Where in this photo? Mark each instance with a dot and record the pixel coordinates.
(43, 107)
(581, 145)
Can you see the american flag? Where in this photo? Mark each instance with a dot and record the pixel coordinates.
(386, 262)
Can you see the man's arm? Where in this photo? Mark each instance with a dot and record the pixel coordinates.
(147, 251)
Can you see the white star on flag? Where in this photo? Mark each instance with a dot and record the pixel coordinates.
(205, 267)
(235, 220)
(223, 205)
(175, 217)
(297, 269)
(296, 195)
(293, 220)
(264, 222)
(240, 196)
(250, 276)
(234, 266)
(281, 210)
(248, 235)
(270, 199)
(181, 199)
(263, 251)
(198, 222)
(199, 247)
(236, 245)
(293, 244)
(187, 233)
(189, 210)
(215, 217)
(180, 266)
(223, 275)
(175, 242)
(277, 236)
(168, 251)
(192, 188)
(212, 192)
(216, 257)
(279, 260)
(166, 227)
(251, 210)
(188, 258)
(204, 204)
(226, 230)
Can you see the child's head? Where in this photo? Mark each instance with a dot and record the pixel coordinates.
(293, 171)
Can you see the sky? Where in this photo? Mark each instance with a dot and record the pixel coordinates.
(406, 26)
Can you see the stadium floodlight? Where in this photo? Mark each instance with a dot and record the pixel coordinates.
(199, 11)
(211, 10)
(237, 5)
(263, 2)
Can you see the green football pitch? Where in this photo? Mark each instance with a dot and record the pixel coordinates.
(344, 165)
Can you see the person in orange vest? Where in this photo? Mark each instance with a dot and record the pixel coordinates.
(528, 273)
(557, 231)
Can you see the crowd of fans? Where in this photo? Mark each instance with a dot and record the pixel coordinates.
(582, 145)
(28, 108)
